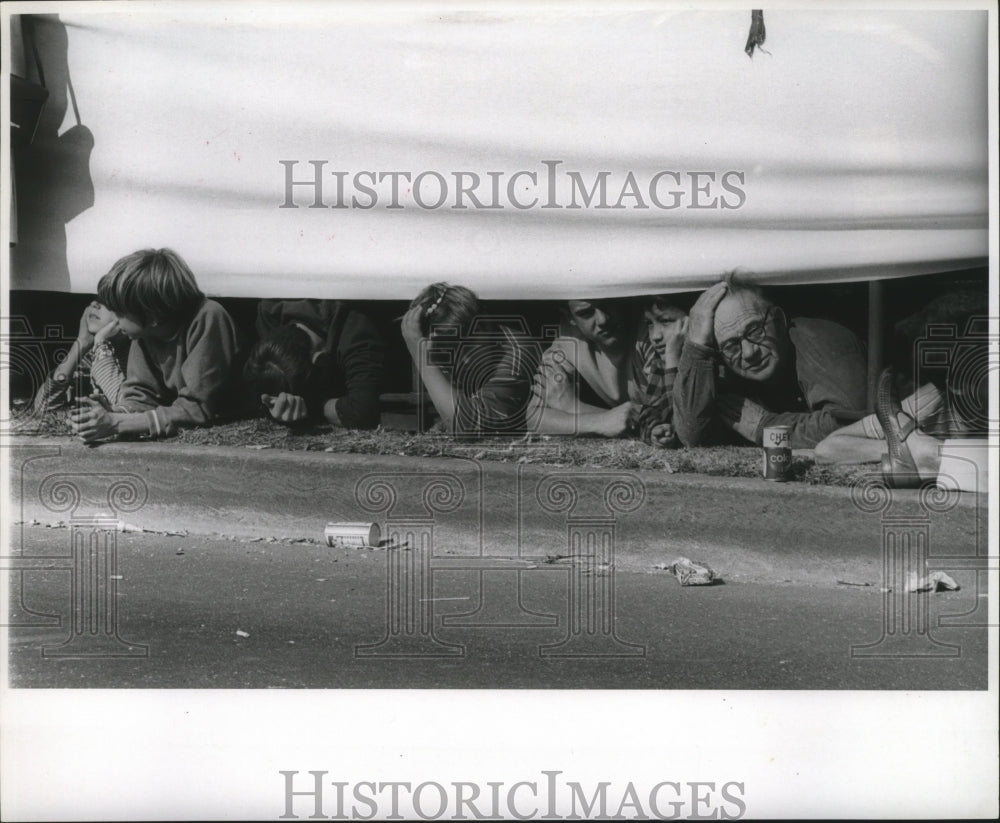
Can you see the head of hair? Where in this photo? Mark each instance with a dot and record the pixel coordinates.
(739, 281)
(664, 302)
(102, 286)
(442, 304)
(617, 306)
(281, 361)
(153, 286)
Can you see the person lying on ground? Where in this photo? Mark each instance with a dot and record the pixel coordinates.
(94, 363)
(805, 373)
(180, 364)
(951, 400)
(587, 377)
(658, 345)
(320, 360)
(477, 370)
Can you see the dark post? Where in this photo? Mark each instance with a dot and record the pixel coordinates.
(875, 339)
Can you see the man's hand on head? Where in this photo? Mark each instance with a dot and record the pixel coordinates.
(701, 320)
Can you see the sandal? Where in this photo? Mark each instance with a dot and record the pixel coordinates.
(899, 469)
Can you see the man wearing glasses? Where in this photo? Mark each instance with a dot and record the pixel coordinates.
(805, 373)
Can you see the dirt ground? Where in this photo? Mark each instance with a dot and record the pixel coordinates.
(260, 433)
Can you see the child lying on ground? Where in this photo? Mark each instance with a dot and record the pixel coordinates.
(658, 350)
(94, 362)
(181, 360)
(478, 372)
(318, 359)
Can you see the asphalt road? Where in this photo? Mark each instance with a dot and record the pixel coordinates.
(748, 529)
(213, 612)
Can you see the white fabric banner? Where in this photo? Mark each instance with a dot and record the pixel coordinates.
(854, 147)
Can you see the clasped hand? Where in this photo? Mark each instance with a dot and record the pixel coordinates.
(286, 407)
(92, 419)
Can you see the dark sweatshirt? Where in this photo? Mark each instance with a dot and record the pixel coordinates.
(350, 365)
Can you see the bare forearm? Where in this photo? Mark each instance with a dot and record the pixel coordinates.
(555, 421)
(438, 386)
(130, 423)
(847, 448)
(65, 369)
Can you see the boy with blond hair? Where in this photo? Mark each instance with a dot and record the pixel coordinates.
(180, 364)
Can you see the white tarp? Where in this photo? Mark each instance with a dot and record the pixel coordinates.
(855, 147)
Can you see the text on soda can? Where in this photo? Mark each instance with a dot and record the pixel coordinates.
(777, 453)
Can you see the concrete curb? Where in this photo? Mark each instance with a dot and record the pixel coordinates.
(742, 527)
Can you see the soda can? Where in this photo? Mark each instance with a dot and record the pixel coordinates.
(777, 453)
(352, 534)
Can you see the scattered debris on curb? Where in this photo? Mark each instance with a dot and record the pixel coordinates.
(129, 528)
(933, 582)
(691, 572)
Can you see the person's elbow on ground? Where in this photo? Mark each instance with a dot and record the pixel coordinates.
(183, 413)
(688, 428)
(689, 435)
(362, 413)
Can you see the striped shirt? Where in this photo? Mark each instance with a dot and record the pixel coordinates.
(99, 366)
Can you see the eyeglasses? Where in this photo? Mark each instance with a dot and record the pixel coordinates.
(732, 349)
